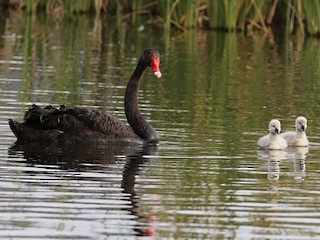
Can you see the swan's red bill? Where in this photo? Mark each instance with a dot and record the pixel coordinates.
(155, 66)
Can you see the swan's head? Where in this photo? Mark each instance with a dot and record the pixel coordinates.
(152, 58)
(301, 124)
(275, 126)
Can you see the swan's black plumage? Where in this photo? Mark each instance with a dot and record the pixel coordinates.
(71, 125)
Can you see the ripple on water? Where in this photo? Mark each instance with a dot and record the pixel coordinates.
(205, 181)
(62, 202)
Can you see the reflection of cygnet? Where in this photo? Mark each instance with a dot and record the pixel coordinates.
(299, 137)
(300, 163)
(273, 169)
(273, 140)
(275, 157)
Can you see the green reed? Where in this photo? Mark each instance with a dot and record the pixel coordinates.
(312, 15)
(301, 16)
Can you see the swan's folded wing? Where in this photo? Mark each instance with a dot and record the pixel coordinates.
(264, 142)
(97, 121)
(78, 124)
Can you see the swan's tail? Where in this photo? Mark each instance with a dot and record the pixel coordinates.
(27, 133)
(37, 125)
(15, 127)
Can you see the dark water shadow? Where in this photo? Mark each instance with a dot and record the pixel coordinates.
(83, 157)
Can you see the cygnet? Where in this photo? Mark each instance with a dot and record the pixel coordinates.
(273, 140)
(299, 137)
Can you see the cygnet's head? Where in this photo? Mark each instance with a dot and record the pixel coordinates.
(301, 124)
(275, 126)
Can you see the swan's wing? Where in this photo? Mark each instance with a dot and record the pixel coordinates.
(28, 133)
(96, 120)
(296, 139)
(278, 142)
(288, 135)
(264, 141)
(77, 121)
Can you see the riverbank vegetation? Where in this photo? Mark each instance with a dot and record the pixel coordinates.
(293, 16)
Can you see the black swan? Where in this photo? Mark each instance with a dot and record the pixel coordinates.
(72, 125)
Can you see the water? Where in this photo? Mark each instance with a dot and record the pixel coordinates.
(206, 179)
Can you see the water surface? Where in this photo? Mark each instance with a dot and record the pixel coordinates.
(206, 179)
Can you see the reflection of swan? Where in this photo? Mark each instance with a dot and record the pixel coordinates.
(273, 158)
(131, 170)
(299, 155)
(273, 140)
(297, 152)
(273, 169)
(76, 157)
(299, 137)
(84, 157)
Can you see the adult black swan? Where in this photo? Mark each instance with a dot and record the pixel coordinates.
(72, 125)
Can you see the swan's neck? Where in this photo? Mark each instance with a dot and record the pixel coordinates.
(300, 133)
(139, 125)
(273, 135)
